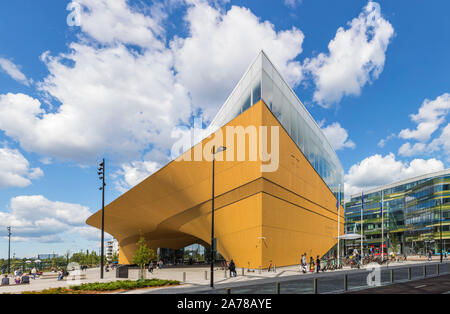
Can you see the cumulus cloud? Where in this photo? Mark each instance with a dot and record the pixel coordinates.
(15, 169)
(431, 115)
(356, 57)
(14, 72)
(338, 136)
(409, 150)
(36, 218)
(378, 170)
(121, 89)
(221, 45)
(133, 173)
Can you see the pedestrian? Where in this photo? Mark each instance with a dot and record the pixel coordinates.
(232, 268)
(303, 263)
(317, 263)
(150, 267)
(33, 273)
(5, 280)
(160, 264)
(429, 255)
(311, 264)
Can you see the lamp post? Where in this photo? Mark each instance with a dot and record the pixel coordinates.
(101, 173)
(440, 228)
(9, 248)
(220, 149)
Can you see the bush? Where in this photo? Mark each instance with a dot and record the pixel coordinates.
(123, 284)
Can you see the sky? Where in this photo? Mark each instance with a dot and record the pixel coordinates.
(90, 79)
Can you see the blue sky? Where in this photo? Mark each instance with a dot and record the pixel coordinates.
(123, 75)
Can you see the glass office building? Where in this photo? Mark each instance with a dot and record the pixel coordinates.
(263, 81)
(416, 212)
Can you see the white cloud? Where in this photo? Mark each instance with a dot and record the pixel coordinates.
(15, 169)
(356, 57)
(36, 218)
(378, 170)
(338, 136)
(221, 45)
(110, 22)
(292, 3)
(383, 141)
(430, 116)
(117, 87)
(134, 173)
(442, 142)
(14, 72)
(408, 150)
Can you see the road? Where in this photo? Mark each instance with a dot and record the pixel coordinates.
(432, 285)
(327, 282)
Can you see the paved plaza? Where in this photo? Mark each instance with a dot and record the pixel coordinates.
(196, 279)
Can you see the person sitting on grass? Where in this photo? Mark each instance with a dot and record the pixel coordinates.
(5, 280)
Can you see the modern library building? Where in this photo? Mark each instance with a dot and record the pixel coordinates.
(267, 190)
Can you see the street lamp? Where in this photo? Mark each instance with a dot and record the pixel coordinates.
(440, 227)
(101, 173)
(219, 149)
(9, 248)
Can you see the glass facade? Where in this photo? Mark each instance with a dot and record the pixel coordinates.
(263, 81)
(413, 213)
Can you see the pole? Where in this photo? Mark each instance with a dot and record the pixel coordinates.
(103, 221)
(362, 226)
(382, 227)
(339, 223)
(9, 248)
(440, 228)
(212, 223)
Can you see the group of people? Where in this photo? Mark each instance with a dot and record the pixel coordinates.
(314, 265)
(19, 278)
(152, 266)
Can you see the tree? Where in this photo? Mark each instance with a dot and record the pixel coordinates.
(143, 255)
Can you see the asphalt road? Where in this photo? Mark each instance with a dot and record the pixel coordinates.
(432, 285)
(327, 282)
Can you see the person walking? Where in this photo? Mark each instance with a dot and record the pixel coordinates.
(232, 268)
(150, 267)
(429, 255)
(311, 264)
(33, 273)
(303, 263)
(317, 264)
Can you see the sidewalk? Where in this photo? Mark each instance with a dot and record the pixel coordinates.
(194, 277)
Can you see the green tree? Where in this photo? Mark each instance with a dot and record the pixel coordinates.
(143, 255)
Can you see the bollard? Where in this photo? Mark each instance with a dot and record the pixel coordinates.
(225, 274)
(437, 269)
(392, 275)
(206, 275)
(184, 276)
(345, 283)
(274, 268)
(315, 285)
(409, 273)
(424, 270)
(228, 291)
(278, 288)
(243, 272)
(259, 270)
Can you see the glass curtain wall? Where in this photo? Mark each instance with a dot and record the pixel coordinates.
(263, 81)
